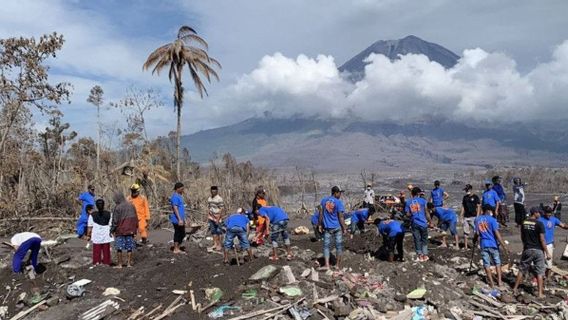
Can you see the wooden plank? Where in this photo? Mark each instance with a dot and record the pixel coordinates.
(22, 314)
(485, 298)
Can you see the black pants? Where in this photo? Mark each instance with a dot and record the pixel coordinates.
(392, 242)
(520, 213)
(179, 233)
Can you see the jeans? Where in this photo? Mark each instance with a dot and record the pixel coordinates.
(279, 229)
(420, 235)
(33, 244)
(490, 257)
(452, 225)
(236, 232)
(327, 235)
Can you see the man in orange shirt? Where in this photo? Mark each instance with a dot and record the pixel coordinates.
(259, 201)
(142, 211)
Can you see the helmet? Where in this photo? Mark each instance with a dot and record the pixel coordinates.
(135, 187)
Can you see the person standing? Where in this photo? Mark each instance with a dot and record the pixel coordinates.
(276, 220)
(393, 237)
(332, 225)
(490, 198)
(237, 227)
(502, 211)
(550, 222)
(259, 201)
(557, 208)
(535, 251)
(85, 198)
(519, 201)
(99, 234)
(420, 221)
(22, 243)
(487, 232)
(438, 195)
(142, 207)
(177, 217)
(216, 205)
(369, 198)
(123, 228)
(471, 208)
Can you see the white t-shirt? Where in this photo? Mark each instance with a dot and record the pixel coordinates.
(22, 237)
(370, 196)
(215, 204)
(100, 234)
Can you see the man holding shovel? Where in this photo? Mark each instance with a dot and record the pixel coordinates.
(487, 231)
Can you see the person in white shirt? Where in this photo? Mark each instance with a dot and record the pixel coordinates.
(22, 243)
(98, 231)
(369, 200)
(215, 217)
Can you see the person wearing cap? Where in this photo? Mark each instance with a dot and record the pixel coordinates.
(420, 221)
(393, 237)
(519, 201)
(557, 208)
(487, 232)
(438, 195)
(447, 219)
(259, 201)
(490, 197)
(215, 216)
(550, 222)
(22, 243)
(276, 220)
(332, 225)
(502, 211)
(359, 218)
(85, 198)
(535, 251)
(99, 234)
(177, 217)
(470, 209)
(237, 225)
(369, 197)
(142, 207)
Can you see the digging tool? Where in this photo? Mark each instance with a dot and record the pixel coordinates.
(8, 244)
(471, 260)
(236, 255)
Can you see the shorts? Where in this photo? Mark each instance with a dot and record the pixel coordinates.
(279, 229)
(490, 257)
(548, 262)
(215, 228)
(239, 233)
(124, 243)
(469, 226)
(532, 260)
(452, 225)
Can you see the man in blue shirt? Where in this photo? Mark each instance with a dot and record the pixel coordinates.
(277, 222)
(177, 217)
(438, 195)
(315, 224)
(487, 231)
(332, 224)
(237, 227)
(490, 198)
(503, 211)
(358, 219)
(416, 209)
(550, 222)
(85, 198)
(447, 219)
(393, 236)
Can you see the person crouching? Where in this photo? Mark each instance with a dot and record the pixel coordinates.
(393, 236)
(22, 243)
(237, 227)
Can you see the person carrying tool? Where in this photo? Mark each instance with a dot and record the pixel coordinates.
(332, 225)
(142, 207)
(519, 201)
(550, 222)
(22, 243)
(447, 219)
(420, 221)
(276, 220)
(438, 195)
(471, 209)
(535, 251)
(490, 198)
(393, 237)
(487, 232)
(237, 225)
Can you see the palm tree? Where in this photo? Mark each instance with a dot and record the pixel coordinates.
(191, 50)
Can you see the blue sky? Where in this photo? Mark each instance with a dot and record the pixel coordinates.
(108, 41)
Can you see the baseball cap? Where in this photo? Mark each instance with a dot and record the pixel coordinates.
(336, 189)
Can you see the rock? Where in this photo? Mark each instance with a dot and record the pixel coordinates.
(275, 299)
(114, 292)
(400, 298)
(265, 273)
(301, 230)
(341, 310)
(53, 301)
(287, 275)
(291, 291)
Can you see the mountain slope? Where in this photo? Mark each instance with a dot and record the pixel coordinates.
(393, 48)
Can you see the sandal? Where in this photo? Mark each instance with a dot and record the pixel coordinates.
(273, 258)
(289, 257)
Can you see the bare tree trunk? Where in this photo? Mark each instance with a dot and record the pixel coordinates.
(98, 141)
(178, 143)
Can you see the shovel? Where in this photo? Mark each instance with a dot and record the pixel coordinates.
(471, 260)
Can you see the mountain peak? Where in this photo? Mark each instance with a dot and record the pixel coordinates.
(393, 49)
